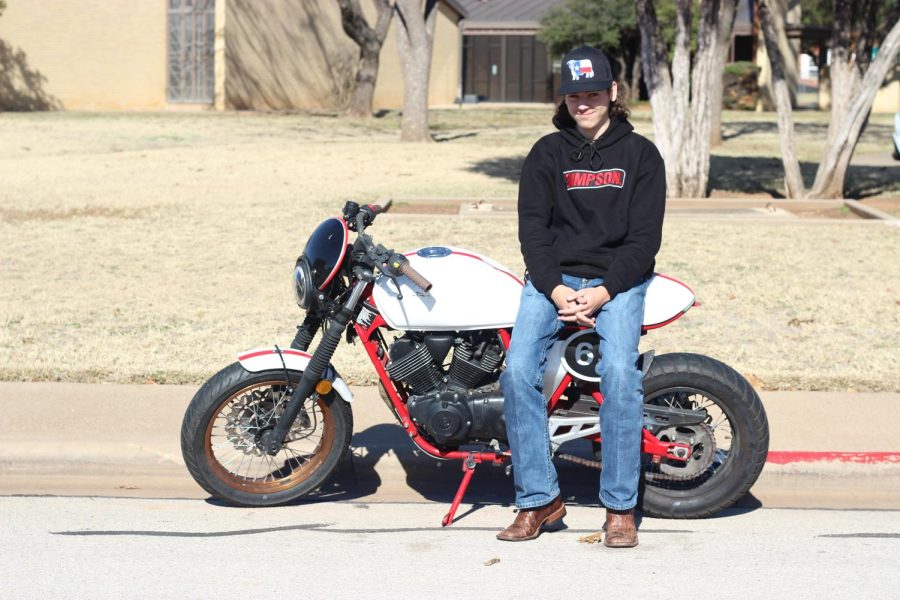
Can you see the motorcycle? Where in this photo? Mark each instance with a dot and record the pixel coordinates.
(274, 425)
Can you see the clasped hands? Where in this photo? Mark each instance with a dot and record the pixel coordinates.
(581, 306)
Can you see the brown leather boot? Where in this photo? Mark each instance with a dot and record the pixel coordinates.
(621, 532)
(530, 522)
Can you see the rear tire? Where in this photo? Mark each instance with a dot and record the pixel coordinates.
(224, 421)
(741, 433)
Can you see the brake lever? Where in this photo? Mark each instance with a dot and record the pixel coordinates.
(397, 285)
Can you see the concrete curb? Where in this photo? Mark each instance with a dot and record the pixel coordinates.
(835, 448)
(869, 212)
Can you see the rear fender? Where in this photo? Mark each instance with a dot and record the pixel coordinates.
(268, 359)
(666, 300)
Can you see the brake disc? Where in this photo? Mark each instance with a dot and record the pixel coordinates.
(702, 441)
(246, 418)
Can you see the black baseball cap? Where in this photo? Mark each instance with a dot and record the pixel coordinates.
(585, 69)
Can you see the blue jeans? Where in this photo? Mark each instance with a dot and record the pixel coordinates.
(621, 416)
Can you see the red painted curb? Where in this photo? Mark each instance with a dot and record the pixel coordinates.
(867, 458)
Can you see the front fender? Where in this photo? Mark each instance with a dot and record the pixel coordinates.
(268, 359)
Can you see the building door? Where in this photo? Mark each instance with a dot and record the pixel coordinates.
(191, 64)
(506, 68)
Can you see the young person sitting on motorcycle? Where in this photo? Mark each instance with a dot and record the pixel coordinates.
(591, 203)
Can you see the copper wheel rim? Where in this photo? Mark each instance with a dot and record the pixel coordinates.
(229, 440)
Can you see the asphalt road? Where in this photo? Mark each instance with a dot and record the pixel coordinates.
(95, 502)
(157, 548)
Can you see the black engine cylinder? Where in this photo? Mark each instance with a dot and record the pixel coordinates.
(413, 364)
(473, 363)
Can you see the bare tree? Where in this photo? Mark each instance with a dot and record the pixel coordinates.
(855, 79)
(681, 102)
(658, 79)
(415, 35)
(793, 180)
(369, 40)
(727, 14)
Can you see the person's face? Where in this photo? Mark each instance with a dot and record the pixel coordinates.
(590, 109)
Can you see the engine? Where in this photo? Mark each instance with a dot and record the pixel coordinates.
(457, 404)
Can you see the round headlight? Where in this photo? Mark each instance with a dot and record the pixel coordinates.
(303, 283)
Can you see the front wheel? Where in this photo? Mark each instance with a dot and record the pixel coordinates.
(729, 447)
(223, 425)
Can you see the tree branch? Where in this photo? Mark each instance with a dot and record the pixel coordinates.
(354, 22)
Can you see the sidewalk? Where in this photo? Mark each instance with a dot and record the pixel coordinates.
(827, 450)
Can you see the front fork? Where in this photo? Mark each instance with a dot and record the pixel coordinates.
(272, 440)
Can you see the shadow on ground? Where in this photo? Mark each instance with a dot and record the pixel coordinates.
(508, 168)
(437, 481)
(743, 175)
(765, 174)
(736, 129)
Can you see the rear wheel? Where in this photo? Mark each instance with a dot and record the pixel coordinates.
(728, 449)
(223, 425)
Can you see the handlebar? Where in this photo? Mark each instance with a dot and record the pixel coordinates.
(414, 276)
(390, 263)
(359, 217)
(378, 209)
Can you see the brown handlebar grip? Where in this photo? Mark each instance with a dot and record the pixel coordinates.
(415, 276)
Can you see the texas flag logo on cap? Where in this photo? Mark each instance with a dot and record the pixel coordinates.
(581, 68)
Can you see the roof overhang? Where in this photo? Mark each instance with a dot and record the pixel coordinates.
(500, 27)
(456, 7)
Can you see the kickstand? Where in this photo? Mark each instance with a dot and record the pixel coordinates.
(468, 468)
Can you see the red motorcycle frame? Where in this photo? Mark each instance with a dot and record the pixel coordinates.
(374, 343)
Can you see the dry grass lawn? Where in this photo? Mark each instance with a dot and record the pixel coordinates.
(155, 247)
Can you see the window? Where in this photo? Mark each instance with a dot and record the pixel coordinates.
(511, 68)
(192, 33)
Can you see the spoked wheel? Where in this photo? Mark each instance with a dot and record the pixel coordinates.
(226, 420)
(728, 449)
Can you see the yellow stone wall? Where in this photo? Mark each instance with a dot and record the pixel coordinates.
(294, 54)
(887, 99)
(84, 54)
(282, 54)
(270, 54)
(446, 59)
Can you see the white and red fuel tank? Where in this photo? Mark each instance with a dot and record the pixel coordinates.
(470, 291)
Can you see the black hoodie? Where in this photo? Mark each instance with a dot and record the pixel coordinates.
(591, 209)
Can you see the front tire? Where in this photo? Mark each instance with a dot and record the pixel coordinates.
(225, 420)
(736, 434)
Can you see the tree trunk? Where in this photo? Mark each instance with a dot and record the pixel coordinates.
(415, 35)
(845, 77)
(832, 170)
(636, 80)
(782, 12)
(793, 180)
(622, 76)
(655, 66)
(369, 41)
(681, 106)
(681, 85)
(727, 13)
(695, 154)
